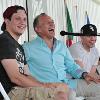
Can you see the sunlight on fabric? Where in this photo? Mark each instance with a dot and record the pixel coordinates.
(96, 1)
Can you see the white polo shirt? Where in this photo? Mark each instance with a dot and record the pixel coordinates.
(88, 58)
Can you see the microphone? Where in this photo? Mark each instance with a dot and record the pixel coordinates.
(62, 33)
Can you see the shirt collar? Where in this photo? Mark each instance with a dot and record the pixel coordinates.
(42, 42)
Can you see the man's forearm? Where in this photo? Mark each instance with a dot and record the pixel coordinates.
(26, 81)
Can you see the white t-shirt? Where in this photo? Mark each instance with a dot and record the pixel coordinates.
(88, 58)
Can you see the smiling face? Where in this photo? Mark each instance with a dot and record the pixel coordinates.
(17, 24)
(88, 41)
(45, 27)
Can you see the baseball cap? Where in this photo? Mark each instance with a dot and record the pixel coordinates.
(89, 29)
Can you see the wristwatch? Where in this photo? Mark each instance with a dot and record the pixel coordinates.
(84, 74)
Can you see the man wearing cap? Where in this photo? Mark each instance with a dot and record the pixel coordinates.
(49, 60)
(14, 74)
(84, 52)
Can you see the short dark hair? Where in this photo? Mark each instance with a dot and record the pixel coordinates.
(36, 20)
(9, 12)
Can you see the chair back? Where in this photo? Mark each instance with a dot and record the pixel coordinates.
(3, 92)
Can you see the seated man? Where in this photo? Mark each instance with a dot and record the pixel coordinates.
(13, 74)
(49, 60)
(84, 52)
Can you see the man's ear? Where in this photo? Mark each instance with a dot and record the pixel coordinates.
(6, 21)
(37, 29)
